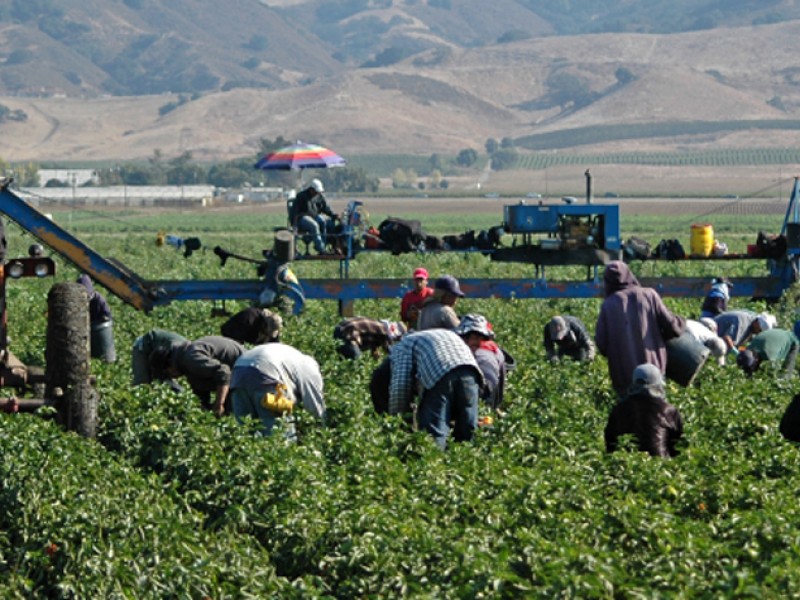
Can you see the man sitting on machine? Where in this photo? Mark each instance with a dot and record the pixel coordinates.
(312, 215)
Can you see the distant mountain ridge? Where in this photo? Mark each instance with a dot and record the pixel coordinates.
(119, 78)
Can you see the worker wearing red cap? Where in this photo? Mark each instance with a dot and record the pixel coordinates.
(413, 299)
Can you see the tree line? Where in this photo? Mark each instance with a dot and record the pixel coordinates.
(240, 172)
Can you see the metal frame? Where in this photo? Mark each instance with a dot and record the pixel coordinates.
(146, 294)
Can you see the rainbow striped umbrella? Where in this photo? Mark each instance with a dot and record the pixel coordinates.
(300, 156)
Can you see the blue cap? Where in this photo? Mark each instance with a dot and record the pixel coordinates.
(449, 284)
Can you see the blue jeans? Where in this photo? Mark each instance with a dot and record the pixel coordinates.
(453, 398)
(247, 403)
(317, 227)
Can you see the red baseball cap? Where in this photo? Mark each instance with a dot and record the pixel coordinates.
(420, 273)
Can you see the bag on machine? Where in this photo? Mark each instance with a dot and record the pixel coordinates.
(669, 250)
(402, 235)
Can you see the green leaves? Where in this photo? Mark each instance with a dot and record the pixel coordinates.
(171, 501)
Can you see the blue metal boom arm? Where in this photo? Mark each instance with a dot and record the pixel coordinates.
(121, 281)
(144, 295)
(348, 290)
(112, 275)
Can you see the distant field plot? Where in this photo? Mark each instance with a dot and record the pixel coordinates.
(595, 134)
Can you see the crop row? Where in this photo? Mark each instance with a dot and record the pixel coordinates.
(595, 134)
(706, 158)
(364, 508)
(78, 523)
(173, 502)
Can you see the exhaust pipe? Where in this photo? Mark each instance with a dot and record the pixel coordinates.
(588, 187)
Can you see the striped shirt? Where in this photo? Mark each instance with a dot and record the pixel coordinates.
(422, 359)
(368, 334)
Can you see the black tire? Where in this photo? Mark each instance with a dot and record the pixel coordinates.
(67, 358)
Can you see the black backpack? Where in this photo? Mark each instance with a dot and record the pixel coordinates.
(462, 241)
(771, 245)
(401, 235)
(669, 250)
(489, 239)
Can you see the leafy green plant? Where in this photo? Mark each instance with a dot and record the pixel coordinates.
(171, 501)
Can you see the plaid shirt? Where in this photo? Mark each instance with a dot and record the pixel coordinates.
(423, 358)
(368, 334)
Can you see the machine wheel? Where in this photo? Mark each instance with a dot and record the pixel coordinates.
(67, 358)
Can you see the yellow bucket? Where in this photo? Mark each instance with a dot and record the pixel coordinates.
(702, 240)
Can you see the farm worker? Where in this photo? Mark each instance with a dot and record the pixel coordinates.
(646, 414)
(311, 214)
(379, 386)
(716, 302)
(777, 346)
(144, 346)
(633, 326)
(360, 334)
(101, 323)
(790, 422)
(412, 301)
(439, 367)
(736, 327)
(269, 380)
(492, 360)
(253, 325)
(438, 310)
(565, 335)
(704, 331)
(206, 363)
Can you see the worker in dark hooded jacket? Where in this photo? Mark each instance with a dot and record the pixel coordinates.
(633, 326)
(646, 414)
(101, 323)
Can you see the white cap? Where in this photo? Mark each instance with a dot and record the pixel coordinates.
(317, 185)
(710, 324)
(767, 321)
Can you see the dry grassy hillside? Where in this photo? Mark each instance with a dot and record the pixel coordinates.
(445, 104)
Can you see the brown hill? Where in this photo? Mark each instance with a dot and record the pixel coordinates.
(447, 101)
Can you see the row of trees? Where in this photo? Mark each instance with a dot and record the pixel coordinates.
(183, 170)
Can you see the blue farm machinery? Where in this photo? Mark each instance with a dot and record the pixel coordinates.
(544, 235)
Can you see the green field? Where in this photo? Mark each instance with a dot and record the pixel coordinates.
(171, 502)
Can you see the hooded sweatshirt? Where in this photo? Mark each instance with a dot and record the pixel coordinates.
(633, 326)
(645, 413)
(99, 310)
